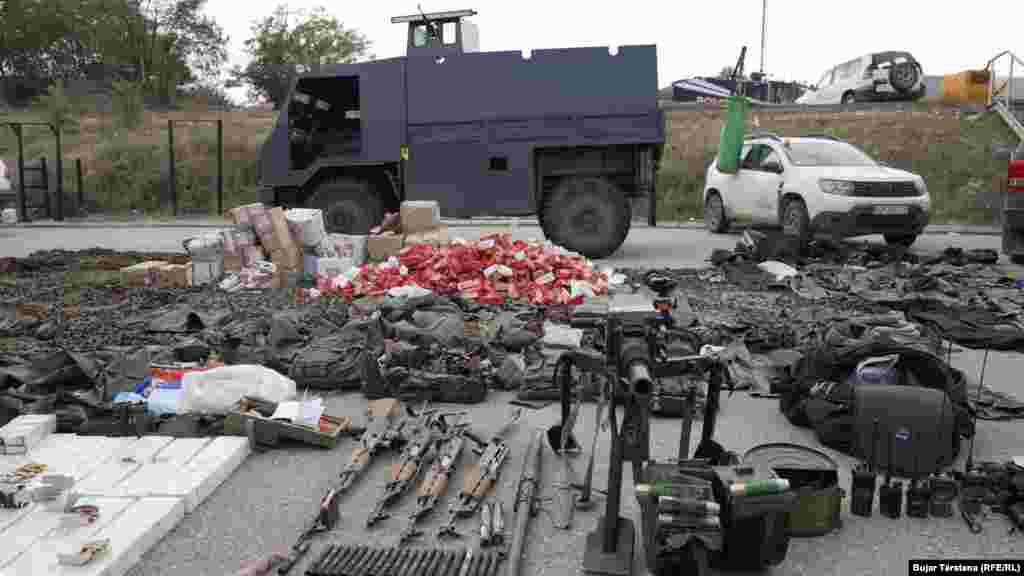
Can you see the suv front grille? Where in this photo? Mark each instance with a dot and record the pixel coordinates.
(885, 189)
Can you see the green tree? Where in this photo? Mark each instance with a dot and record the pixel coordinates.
(282, 46)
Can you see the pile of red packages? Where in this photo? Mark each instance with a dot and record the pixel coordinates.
(491, 270)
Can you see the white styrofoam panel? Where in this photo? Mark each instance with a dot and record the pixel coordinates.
(21, 535)
(41, 557)
(9, 516)
(179, 452)
(144, 524)
(194, 481)
(119, 465)
(9, 462)
(77, 456)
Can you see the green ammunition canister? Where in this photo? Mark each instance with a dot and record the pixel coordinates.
(760, 487)
(671, 520)
(674, 505)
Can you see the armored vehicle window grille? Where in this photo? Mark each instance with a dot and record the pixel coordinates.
(884, 189)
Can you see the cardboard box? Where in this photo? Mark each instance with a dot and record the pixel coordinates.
(435, 237)
(280, 237)
(29, 312)
(241, 216)
(174, 276)
(383, 246)
(348, 246)
(290, 258)
(142, 274)
(420, 216)
(306, 225)
(232, 263)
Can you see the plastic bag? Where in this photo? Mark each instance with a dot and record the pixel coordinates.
(218, 390)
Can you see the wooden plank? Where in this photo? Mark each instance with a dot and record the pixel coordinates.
(144, 524)
(196, 479)
(40, 557)
(119, 465)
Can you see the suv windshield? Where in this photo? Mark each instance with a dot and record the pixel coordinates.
(826, 153)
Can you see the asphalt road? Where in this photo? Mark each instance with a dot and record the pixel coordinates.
(266, 503)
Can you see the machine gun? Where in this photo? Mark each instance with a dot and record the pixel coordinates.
(435, 484)
(383, 430)
(481, 478)
(421, 446)
(634, 356)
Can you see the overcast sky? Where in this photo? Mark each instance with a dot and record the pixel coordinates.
(694, 38)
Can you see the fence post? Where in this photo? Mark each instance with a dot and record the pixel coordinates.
(60, 174)
(173, 173)
(220, 166)
(22, 202)
(78, 185)
(44, 173)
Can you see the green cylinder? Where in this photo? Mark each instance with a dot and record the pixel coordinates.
(760, 487)
(731, 142)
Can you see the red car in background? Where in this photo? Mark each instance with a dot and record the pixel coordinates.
(1013, 208)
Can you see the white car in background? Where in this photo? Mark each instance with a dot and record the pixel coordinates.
(879, 76)
(816, 185)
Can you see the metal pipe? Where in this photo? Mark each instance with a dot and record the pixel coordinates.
(60, 173)
(79, 185)
(339, 552)
(764, 29)
(525, 495)
(613, 498)
(22, 202)
(639, 376)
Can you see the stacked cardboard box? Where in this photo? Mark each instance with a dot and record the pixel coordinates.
(143, 274)
(174, 276)
(419, 223)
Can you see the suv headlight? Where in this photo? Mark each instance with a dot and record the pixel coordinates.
(837, 187)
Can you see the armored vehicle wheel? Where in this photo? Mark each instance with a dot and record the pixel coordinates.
(587, 215)
(350, 206)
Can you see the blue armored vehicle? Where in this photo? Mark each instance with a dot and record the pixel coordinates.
(573, 135)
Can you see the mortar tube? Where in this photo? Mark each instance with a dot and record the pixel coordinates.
(392, 563)
(360, 569)
(374, 567)
(435, 564)
(447, 563)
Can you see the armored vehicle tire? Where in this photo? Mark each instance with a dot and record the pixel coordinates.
(350, 206)
(588, 215)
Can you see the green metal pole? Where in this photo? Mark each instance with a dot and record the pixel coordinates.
(60, 174)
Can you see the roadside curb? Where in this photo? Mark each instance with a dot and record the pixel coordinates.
(966, 229)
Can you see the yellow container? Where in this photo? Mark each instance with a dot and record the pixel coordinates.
(970, 87)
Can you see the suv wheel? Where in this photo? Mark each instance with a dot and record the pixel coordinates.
(588, 215)
(350, 206)
(795, 221)
(904, 76)
(849, 98)
(905, 240)
(714, 214)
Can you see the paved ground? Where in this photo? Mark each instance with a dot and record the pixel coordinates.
(269, 499)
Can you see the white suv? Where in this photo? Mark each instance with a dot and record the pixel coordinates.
(873, 77)
(816, 185)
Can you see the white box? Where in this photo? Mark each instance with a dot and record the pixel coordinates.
(206, 271)
(307, 225)
(331, 267)
(344, 246)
